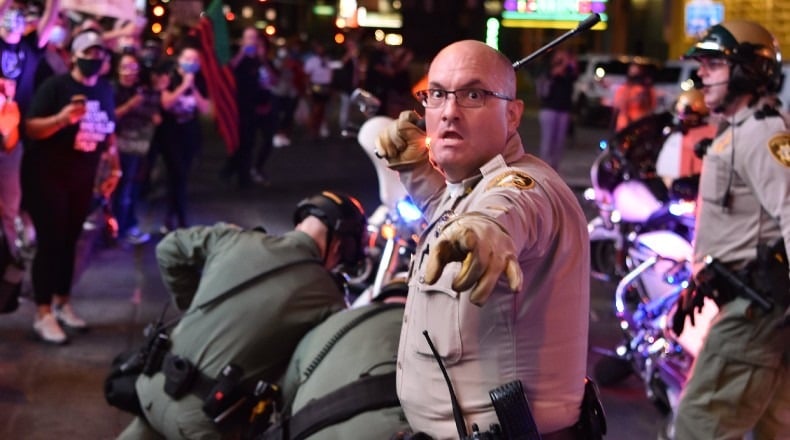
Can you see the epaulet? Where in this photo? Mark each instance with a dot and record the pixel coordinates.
(779, 146)
(766, 112)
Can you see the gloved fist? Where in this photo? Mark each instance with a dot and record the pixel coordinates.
(403, 143)
(691, 298)
(486, 251)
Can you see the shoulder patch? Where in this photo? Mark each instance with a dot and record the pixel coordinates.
(779, 146)
(513, 179)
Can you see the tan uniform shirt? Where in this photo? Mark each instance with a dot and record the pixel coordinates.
(538, 335)
(743, 162)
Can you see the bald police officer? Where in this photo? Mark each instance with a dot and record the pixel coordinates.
(739, 381)
(501, 279)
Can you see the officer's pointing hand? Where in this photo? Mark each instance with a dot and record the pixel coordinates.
(485, 250)
(402, 144)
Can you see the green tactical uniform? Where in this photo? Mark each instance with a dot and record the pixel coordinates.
(369, 348)
(256, 328)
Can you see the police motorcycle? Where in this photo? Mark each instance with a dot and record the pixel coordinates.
(395, 225)
(632, 199)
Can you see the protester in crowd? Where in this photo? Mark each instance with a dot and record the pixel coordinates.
(254, 75)
(555, 91)
(71, 124)
(399, 95)
(10, 196)
(346, 79)
(501, 280)
(739, 384)
(287, 91)
(248, 297)
(20, 54)
(183, 102)
(379, 73)
(319, 72)
(636, 98)
(56, 57)
(138, 113)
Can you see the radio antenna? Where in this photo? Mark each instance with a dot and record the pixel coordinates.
(584, 25)
(459, 419)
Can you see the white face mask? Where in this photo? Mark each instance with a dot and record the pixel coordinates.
(58, 35)
(13, 21)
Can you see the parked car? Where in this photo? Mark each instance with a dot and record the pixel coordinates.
(600, 75)
(673, 78)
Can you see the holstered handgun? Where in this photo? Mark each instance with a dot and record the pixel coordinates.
(592, 422)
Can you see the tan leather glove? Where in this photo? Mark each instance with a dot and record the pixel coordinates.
(486, 251)
(402, 145)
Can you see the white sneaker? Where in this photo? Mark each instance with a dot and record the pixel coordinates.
(66, 316)
(48, 330)
(280, 140)
(135, 236)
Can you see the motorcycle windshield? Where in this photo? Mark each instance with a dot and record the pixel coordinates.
(641, 141)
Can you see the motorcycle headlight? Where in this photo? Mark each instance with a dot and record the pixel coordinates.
(408, 211)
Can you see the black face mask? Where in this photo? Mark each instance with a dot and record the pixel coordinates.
(89, 67)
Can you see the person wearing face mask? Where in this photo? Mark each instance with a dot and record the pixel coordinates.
(635, 99)
(71, 124)
(19, 56)
(21, 48)
(254, 75)
(183, 101)
(138, 115)
(55, 59)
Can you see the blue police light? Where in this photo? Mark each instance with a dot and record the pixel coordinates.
(408, 211)
(603, 144)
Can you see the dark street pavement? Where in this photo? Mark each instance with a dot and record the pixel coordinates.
(49, 392)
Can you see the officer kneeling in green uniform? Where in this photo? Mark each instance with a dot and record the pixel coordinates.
(248, 298)
(740, 380)
(340, 383)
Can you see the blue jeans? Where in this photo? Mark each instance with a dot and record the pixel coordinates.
(553, 131)
(127, 193)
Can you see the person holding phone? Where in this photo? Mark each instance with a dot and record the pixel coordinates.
(71, 124)
(184, 100)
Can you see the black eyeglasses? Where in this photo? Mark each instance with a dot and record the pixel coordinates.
(470, 98)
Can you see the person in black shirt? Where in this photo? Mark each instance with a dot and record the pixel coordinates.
(71, 123)
(254, 75)
(182, 102)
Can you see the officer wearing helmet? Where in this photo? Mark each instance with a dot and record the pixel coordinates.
(740, 380)
(677, 157)
(248, 297)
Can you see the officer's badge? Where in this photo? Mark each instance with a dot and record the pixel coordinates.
(513, 179)
(779, 146)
